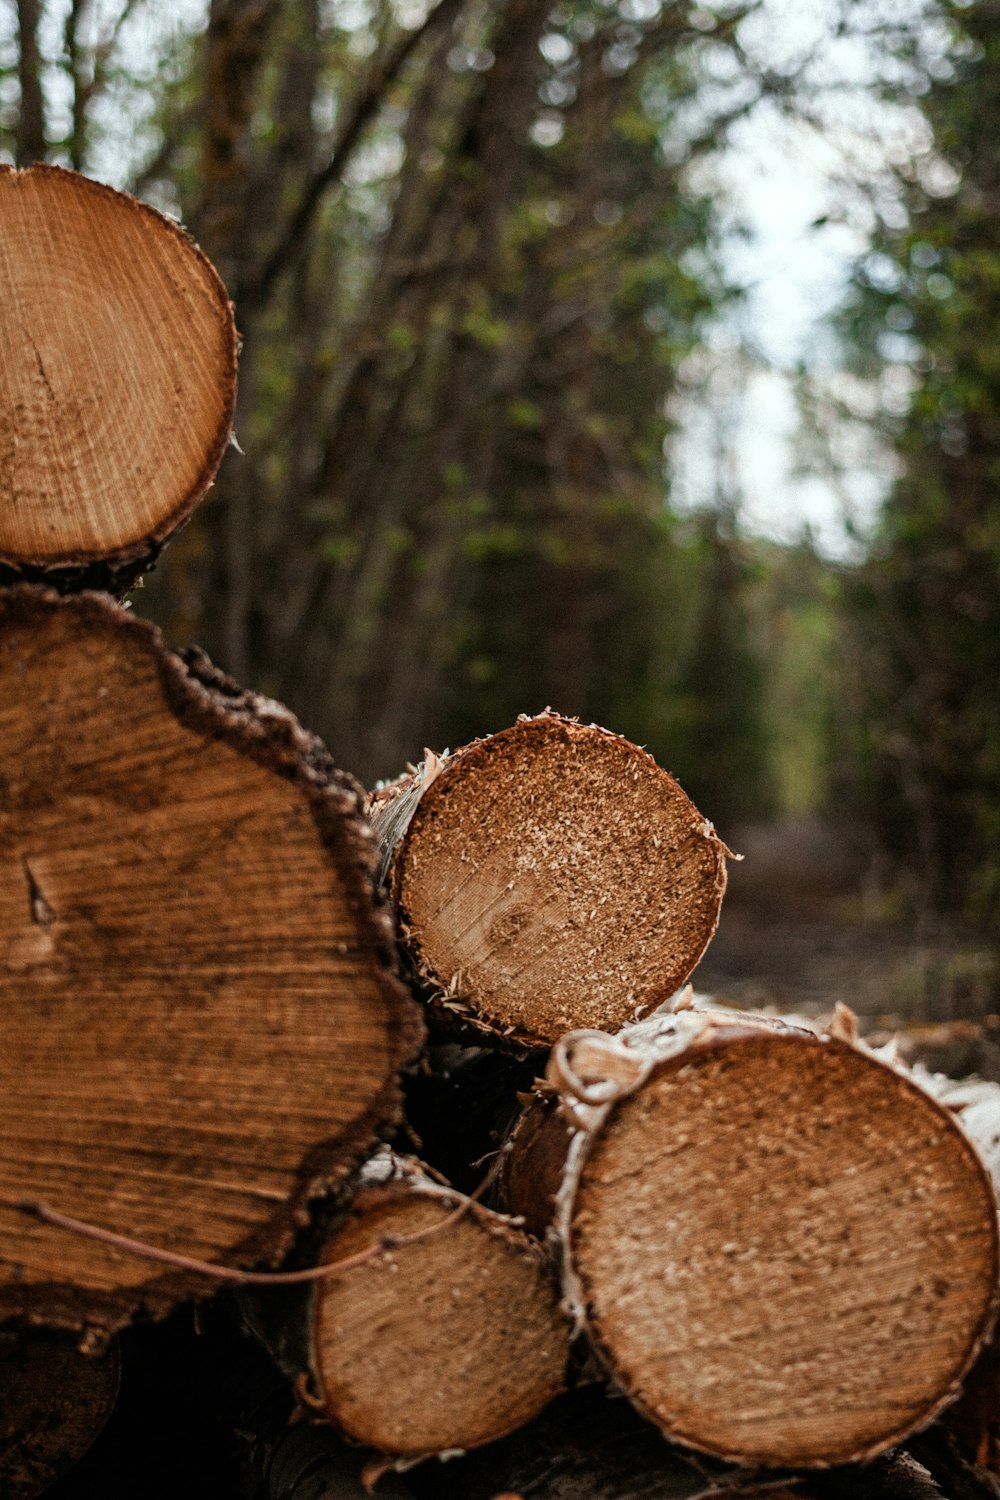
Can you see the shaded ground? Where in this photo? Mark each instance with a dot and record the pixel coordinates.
(804, 925)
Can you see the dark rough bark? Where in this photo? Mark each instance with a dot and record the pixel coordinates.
(587, 1447)
(973, 1423)
(461, 1102)
(727, 1285)
(310, 1463)
(959, 1479)
(54, 1400)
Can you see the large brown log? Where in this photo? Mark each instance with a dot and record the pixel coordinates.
(54, 1400)
(783, 1250)
(117, 379)
(547, 878)
(431, 1346)
(201, 1029)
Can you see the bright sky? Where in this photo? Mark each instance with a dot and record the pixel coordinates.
(806, 193)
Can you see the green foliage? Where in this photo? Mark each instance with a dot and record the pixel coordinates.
(925, 609)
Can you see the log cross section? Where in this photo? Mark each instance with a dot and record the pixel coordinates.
(784, 1250)
(200, 1026)
(117, 378)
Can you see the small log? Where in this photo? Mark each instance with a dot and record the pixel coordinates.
(117, 379)
(201, 1029)
(430, 1347)
(547, 878)
(54, 1400)
(783, 1250)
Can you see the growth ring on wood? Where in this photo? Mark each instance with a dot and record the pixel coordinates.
(199, 1025)
(554, 877)
(449, 1343)
(117, 377)
(785, 1251)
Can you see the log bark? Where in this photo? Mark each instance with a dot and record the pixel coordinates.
(431, 1347)
(311, 1463)
(783, 1250)
(547, 878)
(586, 1447)
(54, 1400)
(201, 1027)
(937, 1451)
(117, 379)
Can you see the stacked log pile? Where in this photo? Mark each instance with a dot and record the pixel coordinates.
(780, 1247)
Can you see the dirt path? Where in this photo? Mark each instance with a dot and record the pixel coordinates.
(802, 928)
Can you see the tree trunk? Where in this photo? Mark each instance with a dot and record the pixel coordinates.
(200, 1027)
(118, 378)
(783, 1251)
(438, 1345)
(53, 1403)
(547, 878)
(30, 144)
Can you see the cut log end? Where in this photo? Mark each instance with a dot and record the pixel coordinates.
(553, 877)
(200, 1028)
(806, 1265)
(448, 1343)
(117, 378)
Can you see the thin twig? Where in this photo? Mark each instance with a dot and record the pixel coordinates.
(34, 1208)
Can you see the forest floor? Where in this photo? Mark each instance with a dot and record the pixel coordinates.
(805, 925)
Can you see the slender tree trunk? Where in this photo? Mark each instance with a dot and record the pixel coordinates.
(30, 144)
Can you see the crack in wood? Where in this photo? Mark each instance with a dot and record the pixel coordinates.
(41, 367)
(39, 909)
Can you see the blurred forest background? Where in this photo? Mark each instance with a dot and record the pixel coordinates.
(482, 259)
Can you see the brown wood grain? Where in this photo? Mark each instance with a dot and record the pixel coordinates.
(199, 1025)
(785, 1251)
(117, 375)
(54, 1400)
(551, 877)
(442, 1345)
